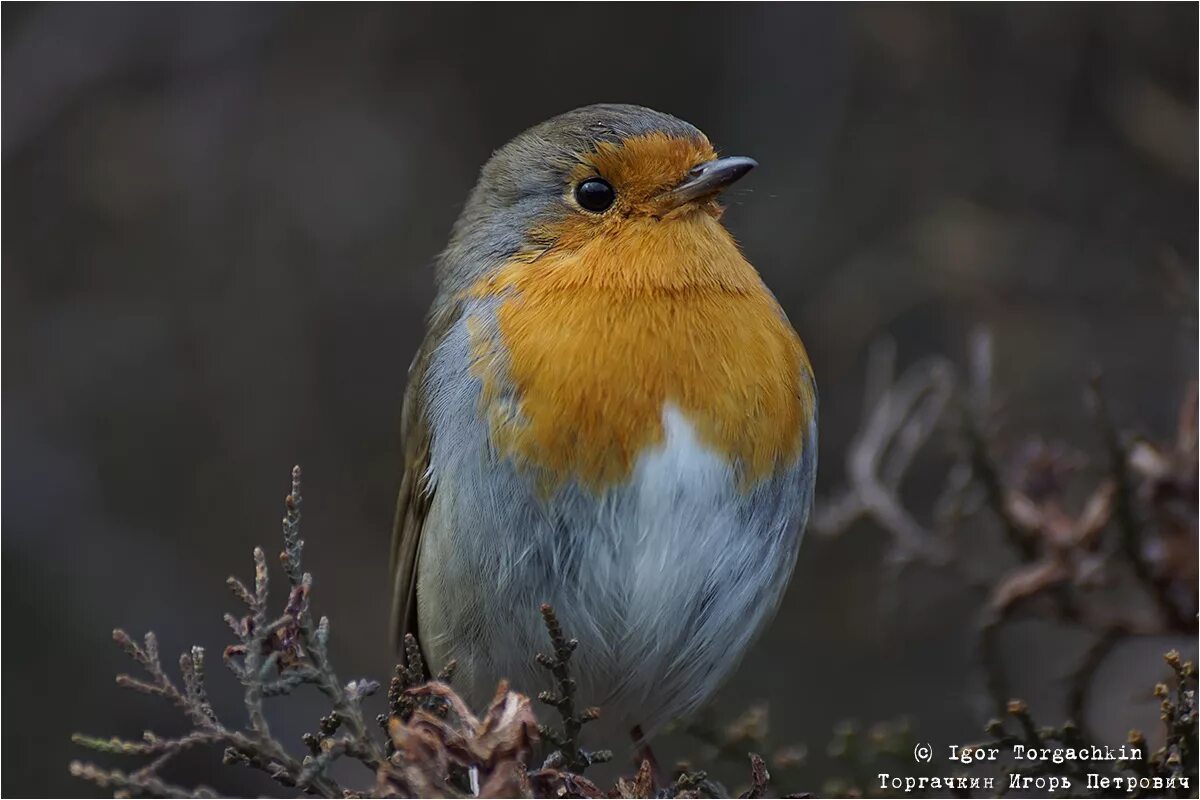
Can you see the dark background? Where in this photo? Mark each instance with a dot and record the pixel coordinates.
(220, 224)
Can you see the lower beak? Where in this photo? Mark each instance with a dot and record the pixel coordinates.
(708, 179)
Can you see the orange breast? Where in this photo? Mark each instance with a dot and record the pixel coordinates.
(597, 340)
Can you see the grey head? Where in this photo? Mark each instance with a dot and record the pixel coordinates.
(523, 183)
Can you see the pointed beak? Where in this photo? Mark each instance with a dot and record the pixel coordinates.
(708, 179)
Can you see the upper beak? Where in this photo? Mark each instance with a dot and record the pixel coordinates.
(709, 178)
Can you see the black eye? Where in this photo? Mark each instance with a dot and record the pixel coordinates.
(595, 194)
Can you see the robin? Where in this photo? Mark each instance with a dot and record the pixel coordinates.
(610, 413)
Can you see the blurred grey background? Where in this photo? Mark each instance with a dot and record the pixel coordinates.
(220, 223)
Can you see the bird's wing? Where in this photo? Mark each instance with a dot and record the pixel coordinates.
(417, 486)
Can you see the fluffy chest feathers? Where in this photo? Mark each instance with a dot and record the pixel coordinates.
(590, 343)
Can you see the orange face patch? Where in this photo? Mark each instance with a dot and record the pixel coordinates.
(611, 322)
(640, 169)
(643, 167)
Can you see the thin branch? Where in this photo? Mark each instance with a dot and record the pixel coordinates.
(899, 416)
(1128, 520)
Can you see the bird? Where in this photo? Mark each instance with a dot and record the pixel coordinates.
(610, 413)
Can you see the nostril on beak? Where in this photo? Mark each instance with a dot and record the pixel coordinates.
(710, 178)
